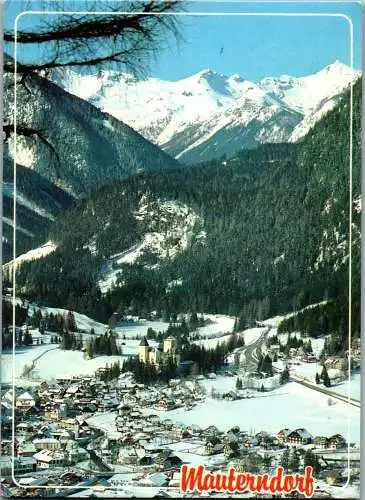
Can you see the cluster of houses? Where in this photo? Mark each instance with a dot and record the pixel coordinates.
(55, 429)
(301, 437)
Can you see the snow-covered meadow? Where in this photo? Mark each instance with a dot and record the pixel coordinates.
(52, 361)
(290, 406)
(83, 322)
(57, 361)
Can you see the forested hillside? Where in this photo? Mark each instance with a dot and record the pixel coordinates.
(271, 234)
(38, 202)
(70, 142)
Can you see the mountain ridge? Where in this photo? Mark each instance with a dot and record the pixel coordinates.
(83, 146)
(178, 115)
(269, 233)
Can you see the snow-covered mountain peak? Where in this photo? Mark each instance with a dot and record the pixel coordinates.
(184, 114)
(337, 67)
(306, 93)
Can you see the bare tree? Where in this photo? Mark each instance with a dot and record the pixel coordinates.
(127, 35)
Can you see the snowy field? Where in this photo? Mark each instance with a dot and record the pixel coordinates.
(291, 406)
(219, 324)
(354, 387)
(83, 322)
(51, 363)
(23, 356)
(250, 336)
(217, 327)
(139, 330)
(70, 362)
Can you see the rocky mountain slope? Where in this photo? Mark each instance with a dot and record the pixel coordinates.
(75, 145)
(210, 115)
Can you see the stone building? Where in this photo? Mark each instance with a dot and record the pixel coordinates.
(156, 355)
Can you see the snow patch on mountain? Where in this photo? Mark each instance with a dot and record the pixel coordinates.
(358, 204)
(10, 222)
(311, 119)
(22, 152)
(8, 190)
(35, 254)
(169, 228)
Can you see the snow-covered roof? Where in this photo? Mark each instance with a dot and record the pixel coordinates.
(25, 396)
(48, 455)
(334, 373)
(158, 478)
(303, 433)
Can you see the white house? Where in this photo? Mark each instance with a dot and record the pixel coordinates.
(24, 401)
(49, 458)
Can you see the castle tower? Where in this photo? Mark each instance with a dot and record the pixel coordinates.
(169, 345)
(143, 351)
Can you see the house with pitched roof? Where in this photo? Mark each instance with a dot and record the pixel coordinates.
(299, 436)
(24, 401)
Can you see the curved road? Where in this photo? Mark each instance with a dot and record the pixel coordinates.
(251, 355)
(251, 352)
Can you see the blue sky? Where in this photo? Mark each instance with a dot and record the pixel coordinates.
(257, 46)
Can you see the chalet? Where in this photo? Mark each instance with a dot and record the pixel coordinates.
(24, 401)
(336, 363)
(308, 358)
(70, 423)
(172, 461)
(231, 449)
(24, 465)
(73, 390)
(336, 375)
(167, 423)
(108, 403)
(47, 444)
(321, 442)
(56, 412)
(76, 453)
(282, 435)
(249, 442)
(156, 479)
(63, 379)
(49, 458)
(299, 436)
(194, 430)
(264, 439)
(26, 449)
(25, 429)
(211, 431)
(337, 441)
(127, 455)
(165, 405)
(212, 448)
